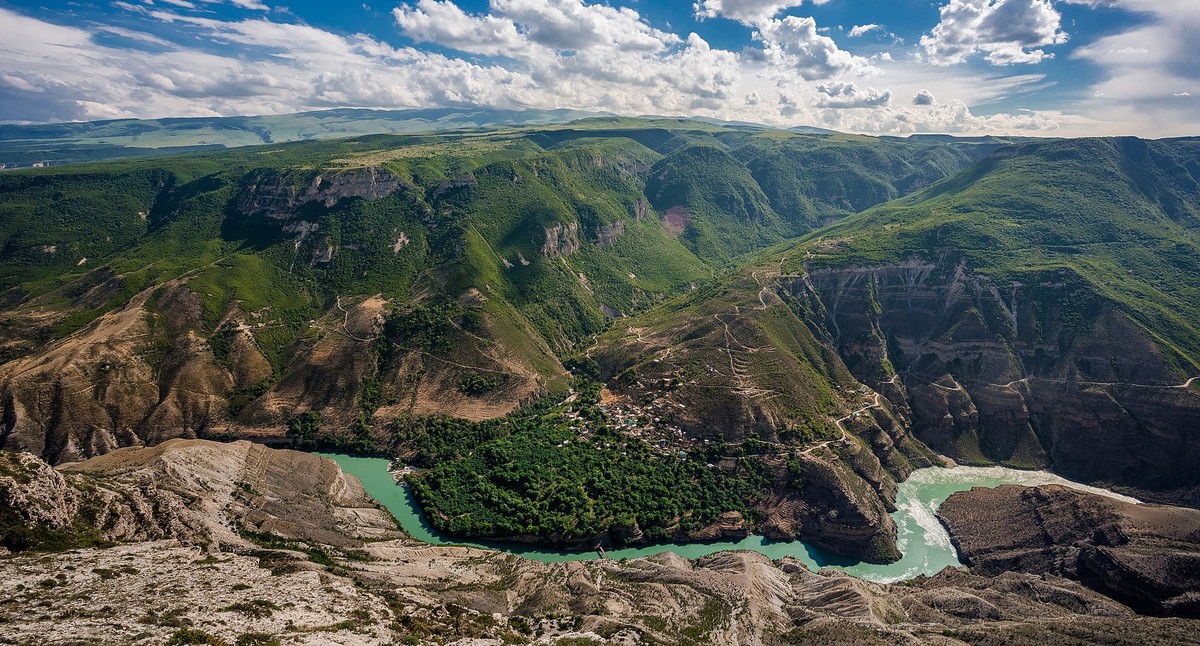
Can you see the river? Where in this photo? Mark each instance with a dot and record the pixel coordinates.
(921, 538)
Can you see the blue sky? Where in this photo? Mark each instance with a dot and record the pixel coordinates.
(1051, 67)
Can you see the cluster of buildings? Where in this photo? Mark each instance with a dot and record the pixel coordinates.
(39, 164)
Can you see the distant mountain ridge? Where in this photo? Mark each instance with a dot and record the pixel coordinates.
(53, 144)
(59, 143)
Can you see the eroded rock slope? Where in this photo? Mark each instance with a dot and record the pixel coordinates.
(314, 581)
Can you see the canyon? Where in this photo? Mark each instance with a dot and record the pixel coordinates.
(605, 333)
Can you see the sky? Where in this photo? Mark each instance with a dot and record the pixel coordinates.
(1037, 67)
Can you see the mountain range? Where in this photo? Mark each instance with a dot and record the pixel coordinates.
(812, 315)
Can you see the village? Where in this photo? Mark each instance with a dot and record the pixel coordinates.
(649, 415)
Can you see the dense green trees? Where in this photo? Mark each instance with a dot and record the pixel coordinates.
(546, 481)
(547, 471)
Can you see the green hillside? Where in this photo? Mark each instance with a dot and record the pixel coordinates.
(1122, 216)
(479, 205)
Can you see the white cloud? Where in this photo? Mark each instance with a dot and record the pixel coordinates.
(1129, 50)
(804, 104)
(1006, 31)
(849, 95)
(749, 12)
(444, 23)
(574, 25)
(924, 97)
(521, 53)
(861, 30)
(1144, 65)
(252, 5)
(795, 44)
(134, 35)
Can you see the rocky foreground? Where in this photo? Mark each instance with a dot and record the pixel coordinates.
(239, 544)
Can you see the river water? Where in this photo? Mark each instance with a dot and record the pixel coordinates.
(921, 538)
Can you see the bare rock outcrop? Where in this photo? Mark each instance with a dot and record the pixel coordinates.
(1031, 374)
(607, 234)
(100, 389)
(193, 491)
(1147, 556)
(280, 196)
(392, 588)
(561, 240)
(835, 510)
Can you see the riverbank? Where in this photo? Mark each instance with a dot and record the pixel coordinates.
(924, 542)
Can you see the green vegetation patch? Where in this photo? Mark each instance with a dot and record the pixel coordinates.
(560, 474)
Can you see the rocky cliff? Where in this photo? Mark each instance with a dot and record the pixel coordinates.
(283, 196)
(1035, 374)
(1147, 556)
(192, 491)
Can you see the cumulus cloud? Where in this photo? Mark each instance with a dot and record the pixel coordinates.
(953, 116)
(924, 97)
(749, 12)
(583, 54)
(1005, 31)
(861, 30)
(444, 23)
(831, 105)
(849, 95)
(574, 25)
(530, 28)
(795, 43)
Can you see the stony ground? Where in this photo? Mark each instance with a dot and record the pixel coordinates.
(145, 592)
(334, 575)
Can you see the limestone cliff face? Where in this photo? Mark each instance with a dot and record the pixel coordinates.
(561, 240)
(279, 197)
(607, 234)
(1036, 374)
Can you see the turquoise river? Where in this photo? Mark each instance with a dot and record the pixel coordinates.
(922, 539)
